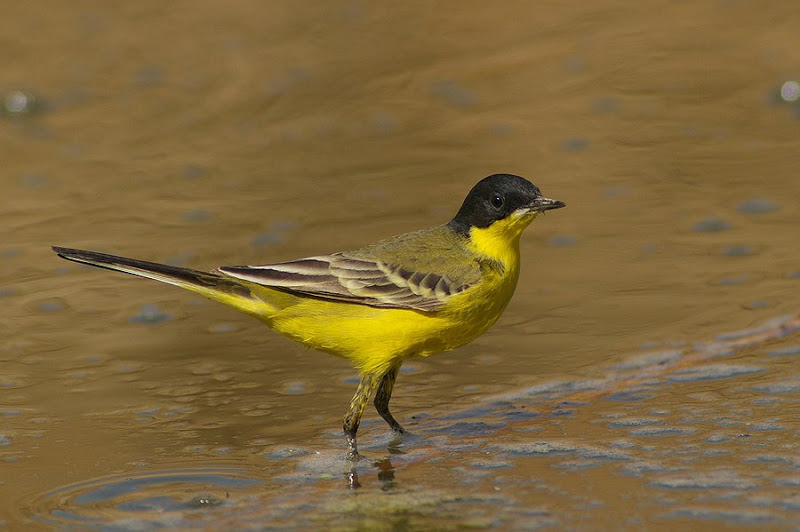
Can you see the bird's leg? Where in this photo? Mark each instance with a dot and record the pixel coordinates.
(353, 417)
(383, 396)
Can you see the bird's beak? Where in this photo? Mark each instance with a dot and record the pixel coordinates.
(545, 204)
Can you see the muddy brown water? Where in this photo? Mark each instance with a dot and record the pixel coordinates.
(645, 375)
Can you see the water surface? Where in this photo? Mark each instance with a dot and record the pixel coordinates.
(645, 374)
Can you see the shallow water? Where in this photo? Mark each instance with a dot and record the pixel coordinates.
(646, 374)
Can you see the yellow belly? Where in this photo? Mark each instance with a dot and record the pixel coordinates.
(374, 339)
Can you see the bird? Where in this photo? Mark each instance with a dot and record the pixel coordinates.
(412, 295)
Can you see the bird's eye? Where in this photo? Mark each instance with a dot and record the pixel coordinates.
(497, 201)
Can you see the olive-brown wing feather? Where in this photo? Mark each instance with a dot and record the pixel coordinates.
(354, 279)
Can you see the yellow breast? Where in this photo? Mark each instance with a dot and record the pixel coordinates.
(374, 339)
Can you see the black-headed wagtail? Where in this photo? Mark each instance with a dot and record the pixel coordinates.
(407, 296)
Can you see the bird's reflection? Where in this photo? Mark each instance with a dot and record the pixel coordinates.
(352, 478)
(385, 475)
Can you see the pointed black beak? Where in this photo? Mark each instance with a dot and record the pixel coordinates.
(541, 204)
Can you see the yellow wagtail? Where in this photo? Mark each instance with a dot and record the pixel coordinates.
(411, 295)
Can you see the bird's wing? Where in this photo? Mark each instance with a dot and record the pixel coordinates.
(357, 279)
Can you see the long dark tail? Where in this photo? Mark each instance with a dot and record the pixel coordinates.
(223, 289)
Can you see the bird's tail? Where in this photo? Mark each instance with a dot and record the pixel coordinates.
(229, 291)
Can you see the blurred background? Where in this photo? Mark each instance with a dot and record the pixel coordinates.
(205, 133)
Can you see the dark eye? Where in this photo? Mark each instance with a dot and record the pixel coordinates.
(497, 201)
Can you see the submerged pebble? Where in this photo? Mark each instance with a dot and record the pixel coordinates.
(34, 180)
(754, 305)
(616, 192)
(757, 206)
(221, 328)
(385, 122)
(606, 105)
(150, 76)
(737, 279)
(711, 225)
(561, 241)
(453, 93)
(196, 216)
(274, 234)
(150, 314)
(295, 388)
(575, 144)
(50, 305)
(194, 171)
(737, 250)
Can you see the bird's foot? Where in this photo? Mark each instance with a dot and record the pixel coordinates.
(396, 440)
(352, 448)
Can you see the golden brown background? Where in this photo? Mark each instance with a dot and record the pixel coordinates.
(205, 133)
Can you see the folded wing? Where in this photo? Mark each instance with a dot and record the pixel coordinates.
(362, 280)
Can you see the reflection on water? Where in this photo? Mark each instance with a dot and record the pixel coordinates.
(610, 394)
(142, 501)
(726, 454)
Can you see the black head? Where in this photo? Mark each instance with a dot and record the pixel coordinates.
(495, 198)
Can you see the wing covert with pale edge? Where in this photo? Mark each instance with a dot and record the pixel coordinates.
(364, 277)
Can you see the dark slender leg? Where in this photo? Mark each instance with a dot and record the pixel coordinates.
(384, 395)
(353, 417)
